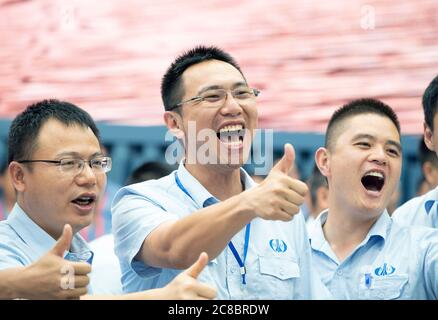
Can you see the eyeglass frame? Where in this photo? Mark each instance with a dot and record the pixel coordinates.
(82, 161)
(255, 92)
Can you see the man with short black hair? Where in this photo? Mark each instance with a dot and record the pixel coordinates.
(357, 249)
(214, 206)
(58, 169)
(423, 210)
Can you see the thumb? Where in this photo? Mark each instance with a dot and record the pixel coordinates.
(63, 242)
(195, 269)
(287, 162)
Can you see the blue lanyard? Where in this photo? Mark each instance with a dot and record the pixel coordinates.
(211, 201)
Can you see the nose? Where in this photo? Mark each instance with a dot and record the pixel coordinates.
(231, 106)
(87, 176)
(379, 155)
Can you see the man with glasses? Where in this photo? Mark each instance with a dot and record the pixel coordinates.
(58, 170)
(257, 242)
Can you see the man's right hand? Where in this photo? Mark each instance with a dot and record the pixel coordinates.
(278, 196)
(52, 277)
(186, 286)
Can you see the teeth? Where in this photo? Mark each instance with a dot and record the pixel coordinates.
(231, 128)
(375, 174)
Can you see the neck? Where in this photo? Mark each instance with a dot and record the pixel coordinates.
(222, 184)
(345, 231)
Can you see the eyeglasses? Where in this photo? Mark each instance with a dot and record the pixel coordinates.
(217, 97)
(75, 166)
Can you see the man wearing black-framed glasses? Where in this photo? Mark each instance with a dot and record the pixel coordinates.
(210, 203)
(58, 170)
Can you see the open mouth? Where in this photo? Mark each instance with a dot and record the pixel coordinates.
(232, 135)
(373, 181)
(84, 201)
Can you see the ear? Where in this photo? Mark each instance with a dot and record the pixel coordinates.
(322, 161)
(428, 137)
(17, 175)
(174, 123)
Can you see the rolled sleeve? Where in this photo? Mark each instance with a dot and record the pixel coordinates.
(134, 218)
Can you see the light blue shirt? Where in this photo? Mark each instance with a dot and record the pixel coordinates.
(420, 211)
(392, 262)
(22, 241)
(278, 262)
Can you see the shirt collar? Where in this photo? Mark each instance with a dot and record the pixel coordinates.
(316, 235)
(35, 237)
(198, 192)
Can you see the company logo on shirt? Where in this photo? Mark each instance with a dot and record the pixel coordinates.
(278, 245)
(428, 205)
(384, 270)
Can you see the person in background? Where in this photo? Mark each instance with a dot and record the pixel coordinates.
(423, 210)
(105, 276)
(358, 250)
(7, 192)
(58, 170)
(318, 195)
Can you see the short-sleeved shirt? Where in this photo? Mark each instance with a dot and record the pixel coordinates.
(278, 262)
(420, 211)
(22, 241)
(392, 262)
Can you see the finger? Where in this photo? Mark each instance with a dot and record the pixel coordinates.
(81, 281)
(299, 186)
(293, 197)
(289, 208)
(205, 291)
(75, 293)
(195, 269)
(81, 268)
(287, 162)
(64, 242)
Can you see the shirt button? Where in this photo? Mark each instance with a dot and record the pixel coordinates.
(233, 270)
(381, 295)
(339, 273)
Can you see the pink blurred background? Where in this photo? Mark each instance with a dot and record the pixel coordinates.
(307, 57)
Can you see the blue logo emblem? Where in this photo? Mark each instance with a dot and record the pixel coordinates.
(428, 205)
(385, 270)
(278, 245)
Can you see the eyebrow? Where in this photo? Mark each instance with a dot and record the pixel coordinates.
(370, 137)
(78, 155)
(215, 87)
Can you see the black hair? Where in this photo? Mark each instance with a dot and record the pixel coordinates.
(148, 171)
(356, 107)
(430, 102)
(172, 89)
(315, 181)
(24, 129)
(426, 155)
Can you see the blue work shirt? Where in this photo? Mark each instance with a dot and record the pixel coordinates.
(22, 241)
(392, 262)
(419, 211)
(278, 262)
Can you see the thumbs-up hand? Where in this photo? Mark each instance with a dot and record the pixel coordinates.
(47, 277)
(186, 286)
(278, 196)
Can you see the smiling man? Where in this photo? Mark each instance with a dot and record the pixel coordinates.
(211, 204)
(58, 170)
(358, 250)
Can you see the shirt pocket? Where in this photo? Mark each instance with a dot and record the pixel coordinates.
(387, 288)
(278, 277)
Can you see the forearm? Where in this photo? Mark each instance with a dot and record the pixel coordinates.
(178, 244)
(10, 285)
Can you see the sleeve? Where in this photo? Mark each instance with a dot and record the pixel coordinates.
(134, 218)
(10, 256)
